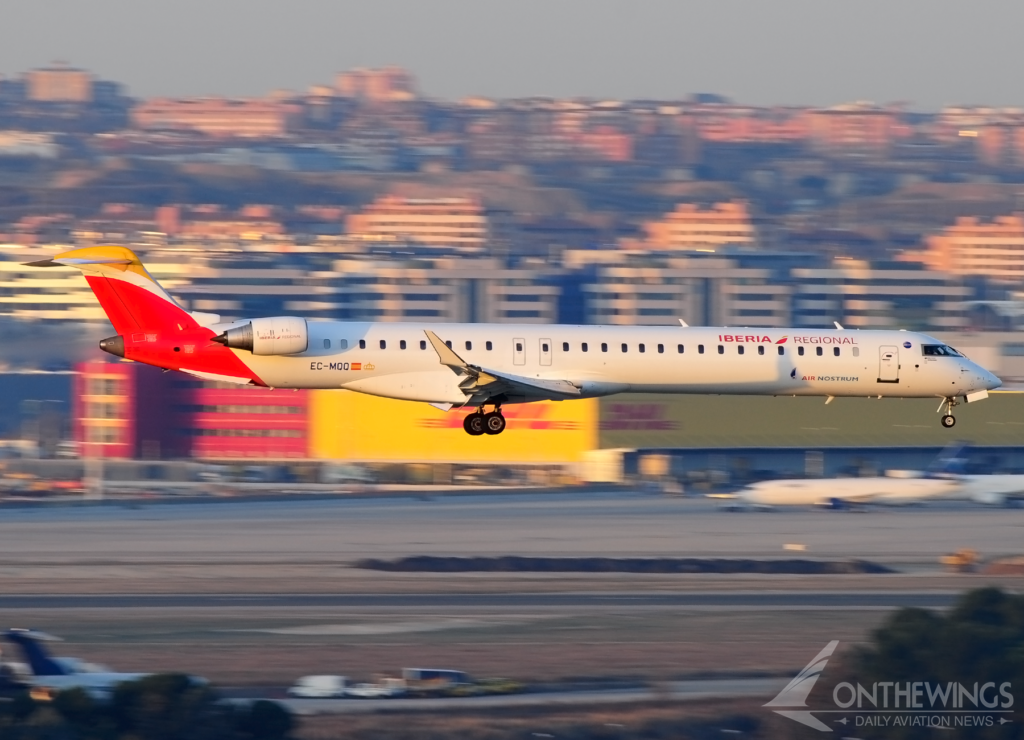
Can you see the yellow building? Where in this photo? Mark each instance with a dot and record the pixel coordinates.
(353, 426)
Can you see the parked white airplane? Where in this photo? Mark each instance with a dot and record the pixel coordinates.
(842, 492)
(944, 479)
(480, 365)
(993, 490)
(50, 675)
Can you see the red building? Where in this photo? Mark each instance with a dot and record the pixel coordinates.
(128, 410)
(228, 421)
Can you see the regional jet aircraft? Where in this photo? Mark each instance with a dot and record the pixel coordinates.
(481, 365)
(49, 675)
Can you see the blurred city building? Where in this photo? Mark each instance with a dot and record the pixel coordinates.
(387, 84)
(972, 247)
(692, 227)
(450, 222)
(127, 410)
(219, 117)
(865, 295)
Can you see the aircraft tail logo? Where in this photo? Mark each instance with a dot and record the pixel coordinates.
(795, 694)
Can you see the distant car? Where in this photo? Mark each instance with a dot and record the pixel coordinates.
(387, 689)
(319, 687)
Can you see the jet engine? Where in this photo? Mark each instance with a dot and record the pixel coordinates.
(280, 335)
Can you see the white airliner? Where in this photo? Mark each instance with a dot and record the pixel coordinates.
(48, 675)
(481, 365)
(943, 480)
(842, 492)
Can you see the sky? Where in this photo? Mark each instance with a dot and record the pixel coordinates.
(928, 53)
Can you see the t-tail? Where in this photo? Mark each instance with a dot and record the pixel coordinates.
(37, 657)
(950, 463)
(151, 326)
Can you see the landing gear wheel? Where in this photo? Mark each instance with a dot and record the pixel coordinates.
(474, 424)
(948, 421)
(494, 423)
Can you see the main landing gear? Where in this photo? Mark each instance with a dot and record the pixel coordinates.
(948, 421)
(479, 423)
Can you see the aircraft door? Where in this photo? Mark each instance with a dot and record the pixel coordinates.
(518, 351)
(545, 351)
(888, 364)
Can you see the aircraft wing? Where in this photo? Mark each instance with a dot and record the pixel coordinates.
(488, 383)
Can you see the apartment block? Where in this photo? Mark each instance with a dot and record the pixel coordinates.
(59, 84)
(854, 128)
(219, 117)
(644, 288)
(972, 247)
(692, 227)
(388, 84)
(446, 289)
(447, 222)
(866, 295)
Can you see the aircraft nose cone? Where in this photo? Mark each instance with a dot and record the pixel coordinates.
(991, 381)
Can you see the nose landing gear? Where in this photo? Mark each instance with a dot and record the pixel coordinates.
(948, 420)
(479, 423)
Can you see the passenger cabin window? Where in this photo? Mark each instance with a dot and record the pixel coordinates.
(760, 349)
(700, 349)
(624, 347)
(327, 344)
(721, 349)
(565, 346)
(488, 345)
(679, 348)
(423, 344)
(449, 343)
(343, 344)
(739, 349)
(469, 345)
(835, 351)
(782, 351)
(584, 347)
(401, 344)
(819, 351)
(604, 346)
(800, 351)
(362, 344)
(642, 348)
(661, 349)
(383, 344)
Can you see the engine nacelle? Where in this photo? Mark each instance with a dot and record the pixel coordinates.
(279, 335)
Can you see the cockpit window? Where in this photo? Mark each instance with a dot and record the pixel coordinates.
(939, 350)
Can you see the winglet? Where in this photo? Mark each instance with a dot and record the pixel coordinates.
(683, 324)
(838, 326)
(445, 353)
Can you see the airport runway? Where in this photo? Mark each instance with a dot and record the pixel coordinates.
(461, 602)
(580, 524)
(669, 690)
